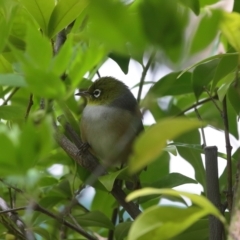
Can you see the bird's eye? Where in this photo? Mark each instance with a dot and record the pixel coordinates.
(96, 93)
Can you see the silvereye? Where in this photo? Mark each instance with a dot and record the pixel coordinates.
(110, 121)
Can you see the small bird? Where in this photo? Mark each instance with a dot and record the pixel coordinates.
(110, 121)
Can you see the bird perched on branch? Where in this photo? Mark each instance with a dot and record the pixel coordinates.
(110, 121)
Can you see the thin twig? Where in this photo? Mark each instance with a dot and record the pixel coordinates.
(30, 103)
(144, 73)
(202, 129)
(229, 155)
(21, 231)
(10, 186)
(196, 105)
(98, 74)
(5, 102)
(62, 221)
(114, 220)
(74, 220)
(213, 100)
(13, 210)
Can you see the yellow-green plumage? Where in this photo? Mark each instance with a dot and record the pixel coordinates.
(110, 118)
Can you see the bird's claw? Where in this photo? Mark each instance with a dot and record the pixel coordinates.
(83, 148)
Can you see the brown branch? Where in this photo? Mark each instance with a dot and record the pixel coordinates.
(234, 227)
(30, 103)
(60, 40)
(9, 216)
(144, 73)
(229, 155)
(196, 105)
(89, 162)
(38, 208)
(5, 102)
(12, 210)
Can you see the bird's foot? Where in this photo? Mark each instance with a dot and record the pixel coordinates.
(83, 148)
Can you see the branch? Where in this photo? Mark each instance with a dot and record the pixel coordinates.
(113, 219)
(89, 162)
(30, 103)
(211, 162)
(213, 100)
(10, 96)
(229, 155)
(196, 105)
(60, 40)
(144, 73)
(38, 208)
(234, 227)
(10, 216)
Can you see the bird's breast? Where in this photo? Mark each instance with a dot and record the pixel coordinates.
(103, 126)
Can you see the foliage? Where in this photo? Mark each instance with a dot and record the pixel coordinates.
(38, 78)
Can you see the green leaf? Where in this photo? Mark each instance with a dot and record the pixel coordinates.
(64, 13)
(205, 61)
(225, 84)
(47, 181)
(198, 231)
(41, 11)
(13, 80)
(230, 27)
(192, 4)
(109, 179)
(161, 223)
(104, 202)
(191, 155)
(156, 170)
(172, 180)
(204, 3)
(12, 112)
(41, 231)
(203, 75)
(121, 230)
(170, 85)
(171, 149)
(94, 219)
(157, 28)
(8, 11)
(234, 97)
(198, 200)
(5, 65)
(124, 31)
(44, 83)
(122, 61)
(87, 59)
(226, 65)
(8, 157)
(209, 23)
(61, 60)
(151, 144)
(38, 49)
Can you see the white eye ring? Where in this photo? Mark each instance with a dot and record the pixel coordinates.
(96, 93)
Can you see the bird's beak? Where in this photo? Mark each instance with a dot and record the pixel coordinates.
(83, 94)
